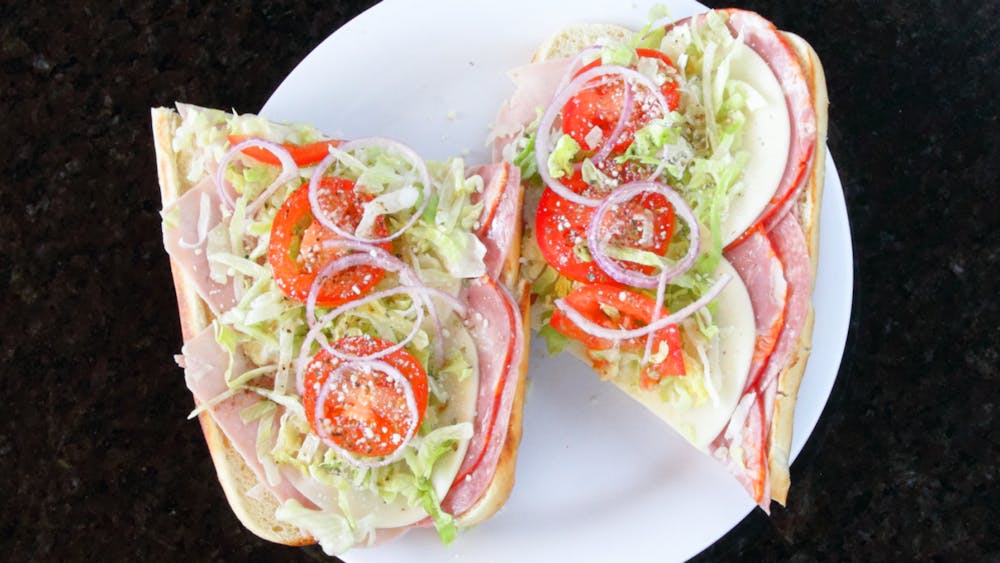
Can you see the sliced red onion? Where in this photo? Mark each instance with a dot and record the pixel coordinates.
(599, 331)
(377, 142)
(542, 140)
(315, 333)
(289, 171)
(612, 139)
(382, 259)
(661, 290)
(337, 375)
(639, 279)
(364, 254)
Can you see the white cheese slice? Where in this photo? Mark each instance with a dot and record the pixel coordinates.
(766, 136)
(734, 350)
(766, 133)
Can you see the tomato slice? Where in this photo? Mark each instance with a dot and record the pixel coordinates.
(633, 310)
(561, 228)
(303, 155)
(296, 254)
(365, 413)
(600, 106)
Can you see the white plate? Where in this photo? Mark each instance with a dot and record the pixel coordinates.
(598, 478)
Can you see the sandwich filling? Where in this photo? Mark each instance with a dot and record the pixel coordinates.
(335, 272)
(653, 167)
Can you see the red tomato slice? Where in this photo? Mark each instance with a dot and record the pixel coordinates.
(561, 226)
(365, 413)
(634, 310)
(303, 155)
(295, 250)
(600, 106)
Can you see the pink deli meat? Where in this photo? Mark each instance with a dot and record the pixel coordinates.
(499, 222)
(749, 428)
(763, 274)
(186, 243)
(495, 325)
(534, 86)
(205, 364)
(790, 243)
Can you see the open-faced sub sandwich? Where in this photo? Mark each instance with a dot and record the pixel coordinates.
(673, 181)
(352, 332)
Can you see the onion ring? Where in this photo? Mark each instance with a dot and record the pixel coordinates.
(373, 365)
(542, 140)
(638, 279)
(378, 142)
(599, 331)
(289, 170)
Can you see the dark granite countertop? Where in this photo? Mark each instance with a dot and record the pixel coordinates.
(99, 462)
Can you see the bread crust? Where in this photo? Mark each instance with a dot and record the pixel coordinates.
(256, 512)
(808, 211)
(567, 42)
(236, 478)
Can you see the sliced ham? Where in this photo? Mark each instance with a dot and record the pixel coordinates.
(499, 222)
(763, 274)
(495, 325)
(186, 243)
(790, 244)
(742, 447)
(534, 86)
(206, 363)
(748, 432)
(765, 39)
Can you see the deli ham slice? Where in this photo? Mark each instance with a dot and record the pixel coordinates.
(206, 363)
(187, 244)
(763, 274)
(499, 222)
(765, 39)
(495, 325)
(534, 86)
(747, 436)
(790, 243)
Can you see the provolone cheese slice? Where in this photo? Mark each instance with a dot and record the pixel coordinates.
(766, 136)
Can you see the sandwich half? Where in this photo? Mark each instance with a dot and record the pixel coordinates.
(354, 331)
(673, 179)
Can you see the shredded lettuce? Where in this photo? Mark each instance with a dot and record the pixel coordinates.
(561, 158)
(268, 329)
(620, 54)
(449, 235)
(333, 531)
(432, 447)
(649, 37)
(555, 341)
(386, 204)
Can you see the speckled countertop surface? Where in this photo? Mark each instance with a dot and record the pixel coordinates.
(98, 461)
